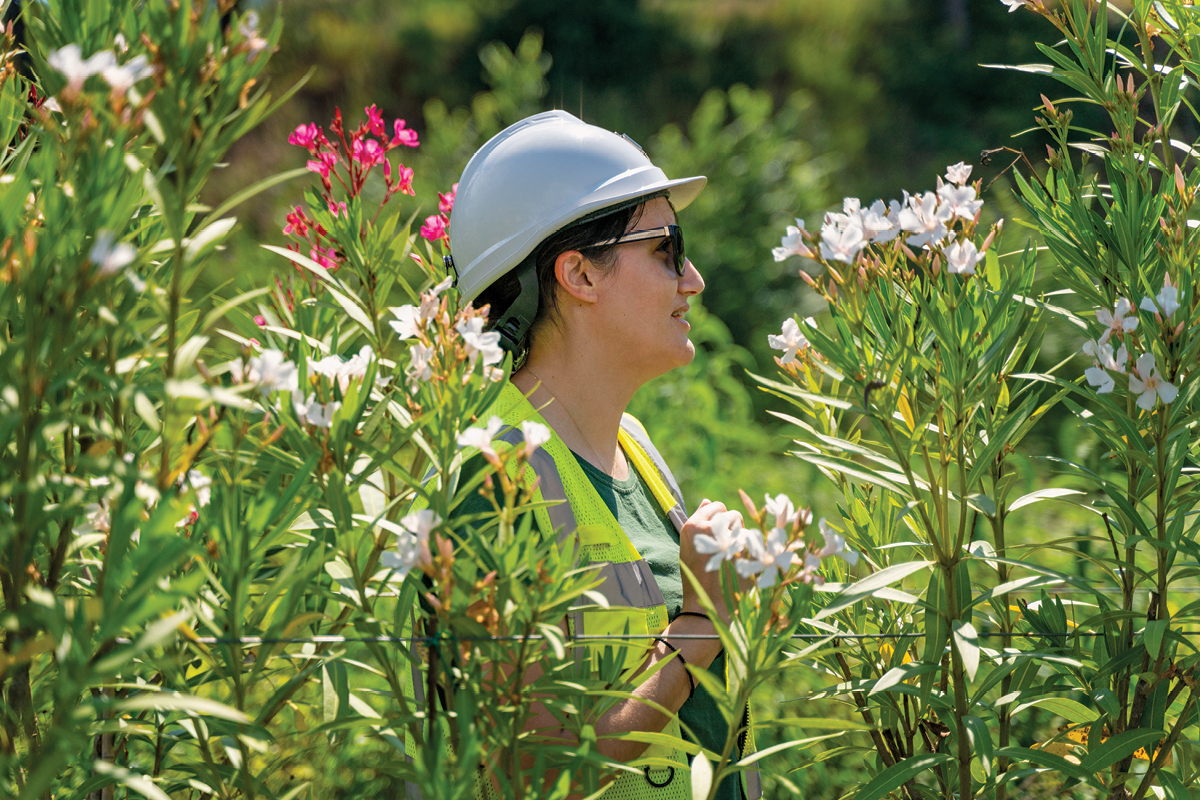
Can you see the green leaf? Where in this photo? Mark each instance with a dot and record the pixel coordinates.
(145, 409)
(1119, 747)
(170, 701)
(983, 504)
(897, 675)
(355, 311)
(208, 238)
(967, 641)
(1069, 710)
(303, 261)
(870, 585)
(899, 774)
(981, 740)
(131, 780)
(1034, 69)
(1047, 760)
(1040, 494)
(853, 470)
(1153, 635)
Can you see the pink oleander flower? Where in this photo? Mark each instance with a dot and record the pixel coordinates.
(318, 166)
(335, 208)
(367, 152)
(404, 179)
(434, 228)
(325, 256)
(296, 224)
(404, 136)
(375, 121)
(260, 320)
(446, 201)
(305, 135)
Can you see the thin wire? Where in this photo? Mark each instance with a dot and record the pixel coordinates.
(257, 640)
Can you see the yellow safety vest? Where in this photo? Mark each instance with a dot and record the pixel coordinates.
(636, 605)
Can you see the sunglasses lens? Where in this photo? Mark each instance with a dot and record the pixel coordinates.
(677, 249)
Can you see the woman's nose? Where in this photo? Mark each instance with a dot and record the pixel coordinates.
(691, 282)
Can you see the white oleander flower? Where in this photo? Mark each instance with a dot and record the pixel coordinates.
(961, 258)
(727, 539)
(1118, 322)
(480, 344)
(768, 557)
(835, 545)
(315, 413)
(481, 438)
(793, 243)
(412, 544)
(925, 217)
(271, 371)
(109, 255)
(122, 78)
(789, 341)
(536, 434)
(1168, 299)
(959, 173)
(780, 506)
(959, 201)
(1149, 384)
(69, 61)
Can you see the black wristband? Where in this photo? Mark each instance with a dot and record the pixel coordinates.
(682, 663)
(693, 614)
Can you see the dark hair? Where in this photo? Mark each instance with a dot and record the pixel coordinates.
(581, 235)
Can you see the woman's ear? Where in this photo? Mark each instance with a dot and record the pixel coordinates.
(577, 276)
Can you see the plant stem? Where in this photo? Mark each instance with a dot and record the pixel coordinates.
(958, 680)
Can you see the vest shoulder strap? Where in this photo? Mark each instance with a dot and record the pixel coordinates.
(653, 469)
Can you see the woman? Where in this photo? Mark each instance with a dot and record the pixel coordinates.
(569, 233)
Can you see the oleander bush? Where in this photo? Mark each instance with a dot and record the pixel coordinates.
(228, 518)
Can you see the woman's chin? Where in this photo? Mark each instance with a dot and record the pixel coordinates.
(688, 355)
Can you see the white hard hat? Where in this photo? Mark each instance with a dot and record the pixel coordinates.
(534, 178)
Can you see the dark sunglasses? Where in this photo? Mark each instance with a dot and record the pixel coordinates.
(673, 232)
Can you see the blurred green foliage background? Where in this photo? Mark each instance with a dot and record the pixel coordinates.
(786, 105)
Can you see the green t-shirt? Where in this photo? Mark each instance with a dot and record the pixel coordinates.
(643, 521)
(639, 515)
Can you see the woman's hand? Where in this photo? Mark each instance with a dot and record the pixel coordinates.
(703, 521)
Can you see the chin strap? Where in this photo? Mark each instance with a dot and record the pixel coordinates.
(515, 321)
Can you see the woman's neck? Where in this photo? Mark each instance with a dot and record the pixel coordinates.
(583, 402)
